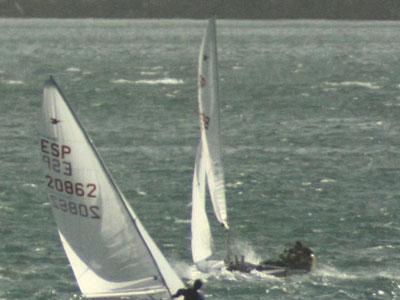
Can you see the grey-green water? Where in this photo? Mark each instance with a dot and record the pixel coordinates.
(311, 140)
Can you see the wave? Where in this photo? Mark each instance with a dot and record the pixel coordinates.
(12, 82)
(163, 81)
(234, 184)
(181, 221)
(167, 81)
(368, 85)
(149, 73)
(73, 70)
(327, 180)
(331, 272)
(29, 185)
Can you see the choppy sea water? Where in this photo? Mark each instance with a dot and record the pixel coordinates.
(311, 139)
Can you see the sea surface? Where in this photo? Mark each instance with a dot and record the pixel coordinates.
(310, 116)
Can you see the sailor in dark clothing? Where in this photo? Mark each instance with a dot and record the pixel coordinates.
(191, 293)
(298, 257)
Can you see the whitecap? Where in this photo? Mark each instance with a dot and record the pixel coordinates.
(6, 208)
(181, 221)
(141, 193)
(97, 104)
(235, 184)
(390, 104)
(12, 82)
(327, 180)
(332, 89)
(169, 95)
(165, 81)
(364, 84)
(148, 73)
(173, 94)
(73, 69)
(119, 81)
(31, 185)
(331, 272)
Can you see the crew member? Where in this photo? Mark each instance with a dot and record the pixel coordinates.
(298, 257)
(192, 293)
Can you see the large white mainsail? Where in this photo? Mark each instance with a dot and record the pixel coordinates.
(208, 165)
(109, 250)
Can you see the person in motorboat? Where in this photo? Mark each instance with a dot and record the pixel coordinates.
(191, 293)
(297, 259)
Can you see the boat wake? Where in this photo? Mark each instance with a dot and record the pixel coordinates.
(328, 272)
(215, 269)
(333, 273)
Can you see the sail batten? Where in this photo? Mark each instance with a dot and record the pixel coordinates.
(109, 249)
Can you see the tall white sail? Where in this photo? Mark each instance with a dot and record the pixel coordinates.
(109, 250)
(210, 122)
(201, 233)
(208, 164)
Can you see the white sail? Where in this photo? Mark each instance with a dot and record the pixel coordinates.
(201, 233)
(210, 122)
(109, 250)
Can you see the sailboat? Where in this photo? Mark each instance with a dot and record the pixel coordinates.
(208, 170)
(109, 250)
